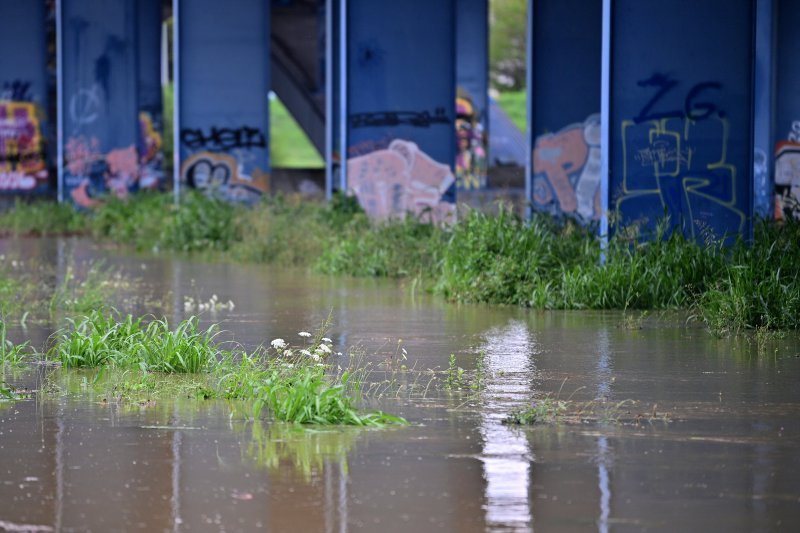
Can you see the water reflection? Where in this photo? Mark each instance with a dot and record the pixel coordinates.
(506, 453)
(604, 376)
(306, 450)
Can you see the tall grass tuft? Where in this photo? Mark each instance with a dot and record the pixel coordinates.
(184, 350)
(759, 287)
(11, 354)
(99, 340)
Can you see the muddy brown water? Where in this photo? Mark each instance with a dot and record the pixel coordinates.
(721, 454)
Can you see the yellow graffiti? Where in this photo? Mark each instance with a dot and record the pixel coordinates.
(20, 139)
(672, 156)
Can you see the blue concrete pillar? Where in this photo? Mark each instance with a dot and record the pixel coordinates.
(787, 111)
(472, 96)
(397, 106)
(680, 116)
(23, 98)
(149, 93)
(564, 108)
(222, 87)
(97, 100)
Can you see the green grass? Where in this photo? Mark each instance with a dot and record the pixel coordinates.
(294, 384)
(100, 339)
(514, 104)
(498, 258)
(544, 411)
(12, 354)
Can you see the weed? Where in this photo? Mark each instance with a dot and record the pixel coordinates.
(454, 379)
(7, 393)
(11, 354)
(544, 411)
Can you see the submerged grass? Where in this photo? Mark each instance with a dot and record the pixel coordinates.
(498, 258)
(295, 384)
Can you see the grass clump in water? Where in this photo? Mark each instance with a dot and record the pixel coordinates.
(545, 411)
(295, 384)
(99, 339)
(12, 354)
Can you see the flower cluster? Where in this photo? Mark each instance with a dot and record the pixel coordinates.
(317, 352)
(190, 305)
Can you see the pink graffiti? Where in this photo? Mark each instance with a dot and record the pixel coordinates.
(568, 162)
(81, 153)
(401, 179)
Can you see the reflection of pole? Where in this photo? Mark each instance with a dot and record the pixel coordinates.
(176, 482)
(342, 497)
(326, 465)
(604, 371)
(506, 453)
(59, 469)
(605, 486)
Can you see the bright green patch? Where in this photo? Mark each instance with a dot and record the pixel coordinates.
(514, 104)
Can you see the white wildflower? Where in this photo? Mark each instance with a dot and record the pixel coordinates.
(315, 357)
(288, 353)
(304, 334)
(326, 339)
(305, 352)
(324, 348)
(278, 344)
(339, 353)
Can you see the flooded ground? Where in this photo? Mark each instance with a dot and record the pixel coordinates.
(708, 440)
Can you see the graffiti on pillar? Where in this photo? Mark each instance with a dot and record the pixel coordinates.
(218, 161)
(787, 179)
(23, 164)
(787, 174)
(151, 158)
(221, 175)
(566, 171)
(675, 162)
(471, 159)
(16, 91)
(401, 179)
(91, 173)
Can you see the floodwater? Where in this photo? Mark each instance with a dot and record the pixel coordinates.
(721, 452)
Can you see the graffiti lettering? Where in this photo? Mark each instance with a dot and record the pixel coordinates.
(16, 90)
(22, 159)
(223, 139)
(85, 105)
(417, 119)
(794, 135)
(664, 85)
(688, 177)
(706, 108)
(220, 175)
(691, 110)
